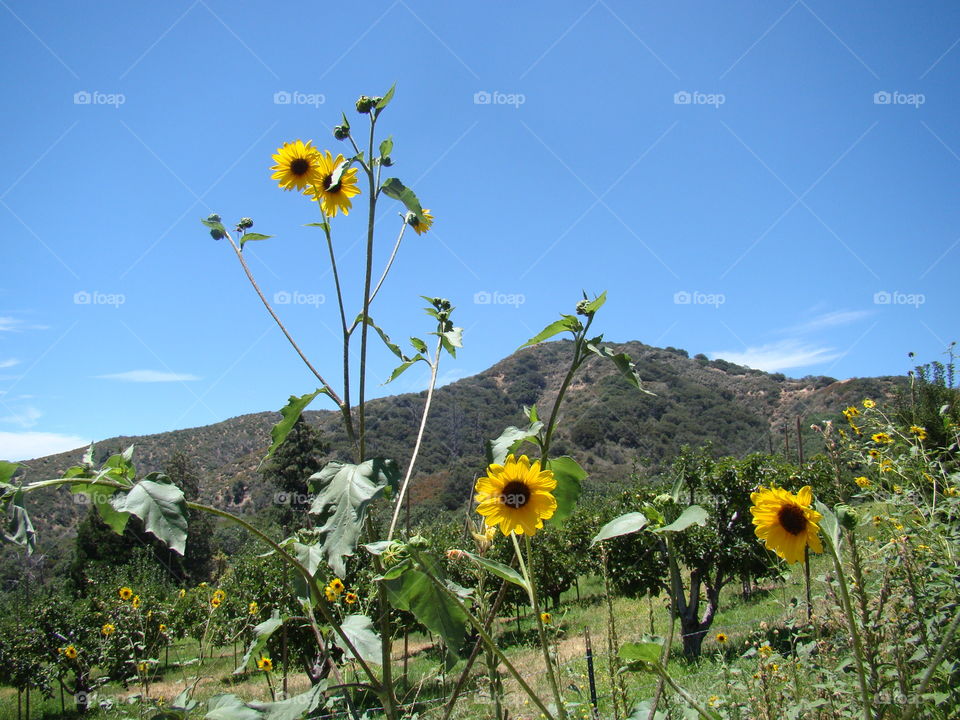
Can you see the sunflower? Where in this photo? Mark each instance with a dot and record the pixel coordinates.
(265, 664)
(125, 593)
(868, 403)
(108, 629)
(516, 496)
(216, 601)
(546, 618)
(253, 608)
(862, 481)
(334, 185)
(220, 595)
(70, 652)
(881, 438)
(721, 639)
(329, 594)
(162, 628)
(851, 412)
(336, 585)
(420, 227)
(182, 594)
(786, 522)
(350, 598)
(298, 166)
(920, 432)
(136, 601)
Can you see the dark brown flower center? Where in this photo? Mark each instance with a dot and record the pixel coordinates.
(327, 185)
(300, 166)
(515, 494)
(792, 519)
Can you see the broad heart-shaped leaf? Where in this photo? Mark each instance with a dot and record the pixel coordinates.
(569, 476)
(19, 530)
(230, 707)
(565, 323)
(504, 572)
(261, 633)
(162, 507)
(624, 364)
(104, 498)
(310, 556)
(414, 592)
(359, 628)
(509, 440)
(291, 413)
(624, 525)
(693, 515)
(248, 237)
(392, 187)
(644, 652)
(345, 492)
(294, 708)
(7, 469)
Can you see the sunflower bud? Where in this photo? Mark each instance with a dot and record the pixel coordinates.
(847, 517)
(365, 104)
(386, 161)
(213, 217)
(582, 307)
(244, 224)
(341, 132)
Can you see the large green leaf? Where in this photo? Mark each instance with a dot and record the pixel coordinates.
(509, 440)
(569, 476)
(504, 572)
(294, 708)
(261, 633)
(392, 187)
(345, 492)
(693, 515)
(566, 323)
(104, 498)
(19, 530)
(415, 592)
(161, 506)
(647, 653)
(230, 707)
(7, 469)
(359, 628)
(291, 413)
(623, 525)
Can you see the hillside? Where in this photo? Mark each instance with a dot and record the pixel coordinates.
(610, 428)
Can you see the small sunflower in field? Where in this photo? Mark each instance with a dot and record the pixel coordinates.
(329, 594)
(862, 481)
(721, 639)
(135, 602)
(125, 593)
(868, 403)
(265, 664)
(546, 618)
(786, 522)
(516, 496)
(298, 166)
(108, 629)
(350, 598)
(70, 652)
(919, 432)
(882, 438)
(253, 608)
(336, 585)
(335, 184)
(162, 629)
(851, 412)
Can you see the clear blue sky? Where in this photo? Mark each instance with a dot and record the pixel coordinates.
(773, 183)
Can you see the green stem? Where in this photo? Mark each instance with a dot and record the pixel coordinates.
(702, 711)
(368, 273)
(854, 631)
(554, 414)
(491, 645)
(434, 369)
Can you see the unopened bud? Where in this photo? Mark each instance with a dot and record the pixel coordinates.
(365, 104)
(341, 132)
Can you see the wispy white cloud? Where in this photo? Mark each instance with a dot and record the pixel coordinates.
(12, 324)
(827, 320)
(25, 417)
(17, 446)
(8, 363)
(782, 355)
(149, 376)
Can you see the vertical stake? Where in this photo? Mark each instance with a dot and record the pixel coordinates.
(593, 684)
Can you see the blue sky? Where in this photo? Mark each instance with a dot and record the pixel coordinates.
(773, 183)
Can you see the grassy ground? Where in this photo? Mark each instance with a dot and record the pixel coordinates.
(737, 619)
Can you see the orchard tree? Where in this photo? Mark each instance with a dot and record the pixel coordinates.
(294, 461)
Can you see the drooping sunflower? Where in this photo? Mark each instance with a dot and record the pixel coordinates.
(516, 496)
(420, 227)
(333, 186)
(298, 166)
(786, 522)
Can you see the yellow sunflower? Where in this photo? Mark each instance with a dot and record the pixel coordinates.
(333, 194)
(920, 432)
(70, 652)
(868, 403)
(125, 593)
(220, 595)
(265, 664)
(420, 227)
(350, 598)
(516, 496)
(136, 601)
(721, 638)
(329, 594)
(298, 166)
(786, 522)
(253, 608)
(336, 585)
(882, 438)
(107, 629)
(546, 618)
(862, 481)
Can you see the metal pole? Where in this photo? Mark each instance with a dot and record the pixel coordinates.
(593, 684)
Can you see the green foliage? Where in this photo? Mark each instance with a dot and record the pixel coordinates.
(291, 465)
